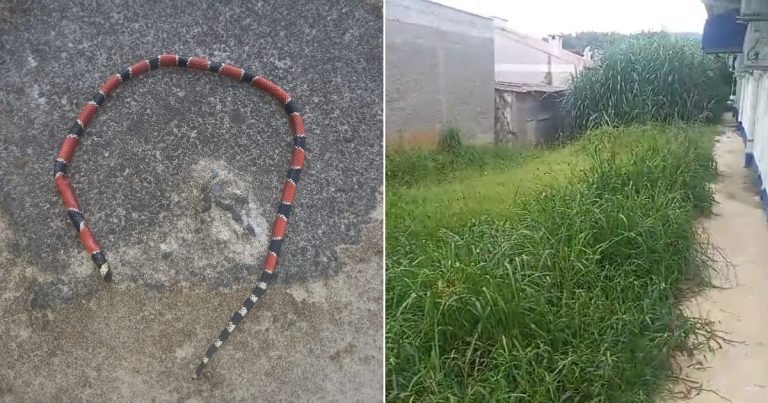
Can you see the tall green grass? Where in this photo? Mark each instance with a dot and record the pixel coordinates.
(649, 77)
(569, 291)
(426, 166)
(451, 199)
(450, 140)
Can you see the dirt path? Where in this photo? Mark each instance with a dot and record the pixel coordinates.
(738, 372)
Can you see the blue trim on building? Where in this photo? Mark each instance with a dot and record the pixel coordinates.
(749, 160)
(742, 132)
(751, 164)
(764, 200)
(758, 183)
(723, 33)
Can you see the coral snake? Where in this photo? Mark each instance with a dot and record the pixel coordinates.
(64, 159)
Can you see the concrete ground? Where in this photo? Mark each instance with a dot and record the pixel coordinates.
(179, 176)
(739, 371)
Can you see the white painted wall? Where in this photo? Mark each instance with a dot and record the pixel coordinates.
(753, 115)
(520, 58)
(752, 84)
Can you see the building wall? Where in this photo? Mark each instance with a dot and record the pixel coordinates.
(752, 84)
(439, 72)
(753, 120)
(516, 61)
(527, 118)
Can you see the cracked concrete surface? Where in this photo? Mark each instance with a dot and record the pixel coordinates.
(179, 176)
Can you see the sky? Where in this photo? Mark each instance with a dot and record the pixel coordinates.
(542, 17)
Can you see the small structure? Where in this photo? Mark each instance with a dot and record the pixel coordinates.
(527, 114)
(531, 76)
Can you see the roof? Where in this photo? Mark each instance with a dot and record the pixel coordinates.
(527, 87)
(542, 46)
(437, 3)
(719, 6)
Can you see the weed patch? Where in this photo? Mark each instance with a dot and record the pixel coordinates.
(558, 287)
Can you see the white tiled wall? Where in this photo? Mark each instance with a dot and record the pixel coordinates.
(753, 114)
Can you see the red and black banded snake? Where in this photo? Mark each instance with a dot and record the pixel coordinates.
(86, 115)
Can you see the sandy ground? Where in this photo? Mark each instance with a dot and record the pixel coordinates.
(739, 371)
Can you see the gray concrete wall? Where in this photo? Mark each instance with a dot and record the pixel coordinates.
(527, 118)
(439, 72)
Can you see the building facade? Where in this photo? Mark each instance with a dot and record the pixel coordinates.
(439, 73)
(739, 28)
(522, 59)
(450, 68)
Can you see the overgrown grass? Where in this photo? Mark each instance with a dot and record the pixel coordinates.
(468, 190)
(450, 140)
(411, 167)
(649, 77)
(557, 280)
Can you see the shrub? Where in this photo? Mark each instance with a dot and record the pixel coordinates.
(410, 167)
(649, 77)
(450, 140)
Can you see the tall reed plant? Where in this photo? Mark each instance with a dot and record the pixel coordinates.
(646, 78)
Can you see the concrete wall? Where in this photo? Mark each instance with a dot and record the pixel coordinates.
(527, 118)
(439, 72)
(522, 59)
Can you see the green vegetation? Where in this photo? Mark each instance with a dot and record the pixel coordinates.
(646, 78)
(450, 161)
(450, 140)
(409, 167)
(545, 275)
(599, 41)
(427, 191)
